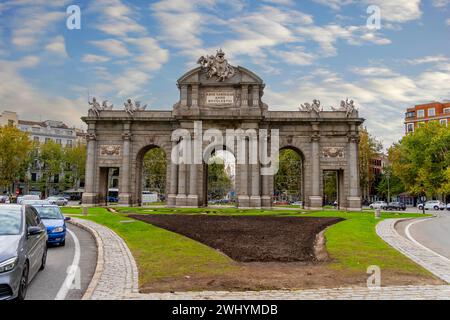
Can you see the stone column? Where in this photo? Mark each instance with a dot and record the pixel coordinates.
(124, 188)
(353, 199)
(255, 199)
(181, 196)
(192, 199)
(244, 96)
(171, 198)
(255, 96)
(315, 198)
(183, 95)
(194, 97)
(90, 194)
(243, 198)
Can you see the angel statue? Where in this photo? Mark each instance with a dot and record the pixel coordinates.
(105, 105)
(95, 107)
(305, 107)
(138, 106)
(314, 107)
(129, 107)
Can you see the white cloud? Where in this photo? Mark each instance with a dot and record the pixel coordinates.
(441, 3)
(428, 59)
(295, 56)
(113, 47)
(448, 22)
(57, 46)
(93, 58)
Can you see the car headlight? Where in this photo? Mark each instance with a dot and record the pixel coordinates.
(58, 229)
(8, 265)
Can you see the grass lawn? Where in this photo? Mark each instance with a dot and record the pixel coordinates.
(352, 244)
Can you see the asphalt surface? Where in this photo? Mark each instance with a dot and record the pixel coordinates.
(48, 283)
(433, 233)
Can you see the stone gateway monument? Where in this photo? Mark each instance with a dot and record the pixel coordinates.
(221, 108)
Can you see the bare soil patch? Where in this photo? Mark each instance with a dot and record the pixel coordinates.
(249, 238)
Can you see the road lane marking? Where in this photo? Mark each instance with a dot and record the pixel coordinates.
(62, 293)
(410, 237)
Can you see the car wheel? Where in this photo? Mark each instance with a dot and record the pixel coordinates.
(436, 208)
(23, 286)
(63, 243)
(44, 259)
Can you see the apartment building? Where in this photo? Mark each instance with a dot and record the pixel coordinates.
(422, 113)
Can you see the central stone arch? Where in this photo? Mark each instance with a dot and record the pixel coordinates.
(222, 97)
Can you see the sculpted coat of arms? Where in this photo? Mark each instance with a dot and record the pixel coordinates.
(217, 66)
(333, 152)
(110, 150)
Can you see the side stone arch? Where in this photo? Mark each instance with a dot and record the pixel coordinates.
(139, 148)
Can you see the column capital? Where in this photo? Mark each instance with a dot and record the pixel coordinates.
(353, 137)
(91, 136)
(315, 137)
(126, 136)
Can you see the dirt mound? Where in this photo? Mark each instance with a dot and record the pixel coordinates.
(249, 238)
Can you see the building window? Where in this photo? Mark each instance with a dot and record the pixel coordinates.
(447, 110)
(420, 113)
(47, 140)
(410, 114)
(431, 112)
(34, 176)
(36, 139)
(410, 127)
(58, 141)
(444, 122)
(69, 143)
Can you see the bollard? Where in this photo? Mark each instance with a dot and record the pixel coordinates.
(85, 210)
(377, 213)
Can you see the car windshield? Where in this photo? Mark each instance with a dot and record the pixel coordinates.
(10, 222)
(49, 212)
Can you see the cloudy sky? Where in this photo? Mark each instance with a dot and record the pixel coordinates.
(302, 49)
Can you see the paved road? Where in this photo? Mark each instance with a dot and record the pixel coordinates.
(47, 283)
(432, 233)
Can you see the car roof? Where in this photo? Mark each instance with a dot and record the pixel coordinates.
(45, 205)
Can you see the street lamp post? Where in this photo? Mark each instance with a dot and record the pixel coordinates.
(388, 177)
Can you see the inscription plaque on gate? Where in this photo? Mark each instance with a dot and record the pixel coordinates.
(217, 98)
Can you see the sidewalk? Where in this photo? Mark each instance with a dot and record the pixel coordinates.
(116, 277)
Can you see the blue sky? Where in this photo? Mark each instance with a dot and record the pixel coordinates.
(302, 49)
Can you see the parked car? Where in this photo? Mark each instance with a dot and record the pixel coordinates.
(112, 199)
(395, 206)
(23, 249)
(55, 223)
(448, 206)
(34, 202)
(59, 201)
(432, 205)
(27, 197)
(4, 199)
(378, 205)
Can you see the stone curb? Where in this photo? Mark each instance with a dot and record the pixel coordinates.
(427, 259)
(100, 258)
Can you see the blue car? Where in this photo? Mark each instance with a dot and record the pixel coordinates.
(55, 223)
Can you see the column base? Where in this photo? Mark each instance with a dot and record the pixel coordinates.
(192, 201)
(255, 201)
(125, 198)
(315, 203)
(89, 199)
(181, 200)
(243, 202)
(171, 200)
(266, 202)
(354, 204)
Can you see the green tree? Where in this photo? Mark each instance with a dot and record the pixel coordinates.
(288, 179)
(219, 182)
(51, 158)
(389, 184)
(154, 169)
(421, 159)
(369, 148)
(15, 150)
(75, 162)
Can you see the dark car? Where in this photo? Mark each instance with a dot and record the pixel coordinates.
(23, 249)
(395, 206)
(55, 223)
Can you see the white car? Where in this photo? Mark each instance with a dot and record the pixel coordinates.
(432, 205)
(27, 197)
(378, 205)
(448, 206)
(59, 201)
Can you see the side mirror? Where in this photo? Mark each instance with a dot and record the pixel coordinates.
(32, 231)
(67, 218)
